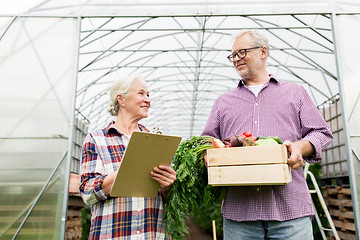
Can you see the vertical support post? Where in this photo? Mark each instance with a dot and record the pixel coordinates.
(353, 166)
(71, 138)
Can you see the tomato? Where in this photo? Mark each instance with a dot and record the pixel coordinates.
(247, 134)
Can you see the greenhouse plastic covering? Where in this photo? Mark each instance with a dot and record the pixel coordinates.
(58, 59)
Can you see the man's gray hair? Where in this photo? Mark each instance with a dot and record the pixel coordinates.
(258, 37)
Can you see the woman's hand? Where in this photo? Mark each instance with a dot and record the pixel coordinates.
(166, 176)
(108, 182)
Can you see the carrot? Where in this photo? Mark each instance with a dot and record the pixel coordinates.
(217, 143)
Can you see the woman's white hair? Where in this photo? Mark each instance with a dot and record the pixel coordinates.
(258, 37)
(121, 87)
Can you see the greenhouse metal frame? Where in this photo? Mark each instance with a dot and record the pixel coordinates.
(56, 72)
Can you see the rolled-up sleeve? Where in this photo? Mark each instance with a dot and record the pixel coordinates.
(92, 173)
(313, 127)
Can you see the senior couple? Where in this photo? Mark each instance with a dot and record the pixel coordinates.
(260, 103)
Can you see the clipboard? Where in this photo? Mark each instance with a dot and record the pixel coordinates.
(144, 152)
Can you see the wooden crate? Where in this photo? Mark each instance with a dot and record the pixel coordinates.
(255, 165)
(73, 223)
(338, 200)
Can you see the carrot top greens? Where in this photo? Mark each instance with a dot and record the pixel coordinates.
(190, 187)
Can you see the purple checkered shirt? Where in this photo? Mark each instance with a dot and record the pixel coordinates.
(281, 109)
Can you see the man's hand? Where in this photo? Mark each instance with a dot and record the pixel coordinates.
(297, 150)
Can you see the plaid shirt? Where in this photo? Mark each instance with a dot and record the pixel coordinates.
(122, 217)
(281, 109)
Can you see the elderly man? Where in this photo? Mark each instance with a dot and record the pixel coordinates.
(267, 106)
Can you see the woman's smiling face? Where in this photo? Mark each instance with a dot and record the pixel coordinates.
(137, 101)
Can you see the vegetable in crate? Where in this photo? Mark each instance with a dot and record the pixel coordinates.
(190, 186)
(262, 141)
(237, 141)
(217, 143)
(245, 139)
(247, 134)
(249, 141)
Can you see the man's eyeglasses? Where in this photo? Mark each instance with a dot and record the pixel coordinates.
(240, 54)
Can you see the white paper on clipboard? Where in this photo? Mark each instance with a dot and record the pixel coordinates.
(144, 152)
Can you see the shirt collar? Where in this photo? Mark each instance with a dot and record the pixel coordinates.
(111, 127)
(271, 79)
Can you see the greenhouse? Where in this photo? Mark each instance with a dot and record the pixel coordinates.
(58, 60)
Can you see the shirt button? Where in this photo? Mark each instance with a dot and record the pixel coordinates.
(137, 231)
(258, 189)
(255, 122)
(256, 104)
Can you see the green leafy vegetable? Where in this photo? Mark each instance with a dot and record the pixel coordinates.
(278, 139)
(190, 187)
(266, 141)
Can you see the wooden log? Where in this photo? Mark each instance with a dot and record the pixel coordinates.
(73, 212)
(341, 215)
(344, 225)
(338, 190)
(75, 201)
(347, 235)
(340, 203)
(75, 222)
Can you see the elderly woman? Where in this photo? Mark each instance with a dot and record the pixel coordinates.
(121, 217)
